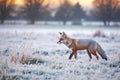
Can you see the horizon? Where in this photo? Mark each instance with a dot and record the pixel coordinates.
(84, 3)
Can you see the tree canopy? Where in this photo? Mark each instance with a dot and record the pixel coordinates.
(67, 12)
(35, 10)
(6, 8)
(106, 10)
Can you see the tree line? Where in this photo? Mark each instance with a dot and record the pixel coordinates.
(35, 10)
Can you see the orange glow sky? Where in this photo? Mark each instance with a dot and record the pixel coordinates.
(85, 3)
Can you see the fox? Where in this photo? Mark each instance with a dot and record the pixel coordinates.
(91, 46)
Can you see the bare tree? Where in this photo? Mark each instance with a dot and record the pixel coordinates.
(5, 9)
(105, 10)
(116, 17)
(64, 12)
(35, 10)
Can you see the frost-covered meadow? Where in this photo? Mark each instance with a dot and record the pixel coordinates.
(31, 52)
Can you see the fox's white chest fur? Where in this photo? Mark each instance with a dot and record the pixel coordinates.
(67, 44)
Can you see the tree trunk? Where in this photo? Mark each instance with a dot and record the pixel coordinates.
(108, 23)
(32, 22)
(2, 21)
(105, 23)
(64, 22)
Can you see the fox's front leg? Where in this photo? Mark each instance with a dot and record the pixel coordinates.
(71, 55)
(75, 54)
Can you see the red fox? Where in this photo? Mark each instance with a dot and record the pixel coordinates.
(82, 44)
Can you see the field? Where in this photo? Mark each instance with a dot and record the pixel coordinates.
(31, 52)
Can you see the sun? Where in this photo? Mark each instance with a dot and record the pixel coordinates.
(87, 3)
(19, 2)
(83, 2)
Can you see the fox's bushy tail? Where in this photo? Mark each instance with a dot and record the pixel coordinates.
(101, 52)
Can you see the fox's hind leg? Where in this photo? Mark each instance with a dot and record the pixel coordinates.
(89, 54)
(93, 51)
(97, 57)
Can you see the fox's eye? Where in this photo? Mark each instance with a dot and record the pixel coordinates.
(64, 36)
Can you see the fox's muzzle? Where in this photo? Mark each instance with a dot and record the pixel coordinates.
(59, 42)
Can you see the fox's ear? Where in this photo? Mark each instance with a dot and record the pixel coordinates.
(60, 33)
(64, 33)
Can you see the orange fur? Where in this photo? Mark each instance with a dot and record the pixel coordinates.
(92, 47)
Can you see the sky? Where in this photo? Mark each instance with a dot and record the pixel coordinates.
(84, 3)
